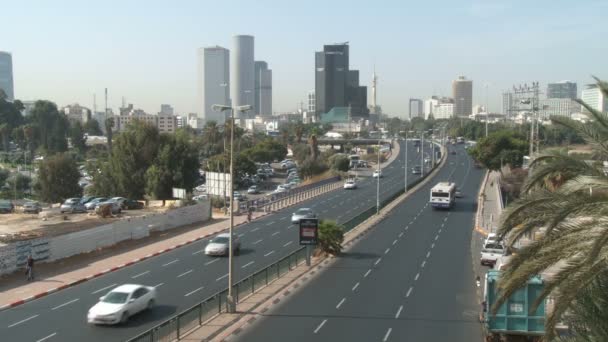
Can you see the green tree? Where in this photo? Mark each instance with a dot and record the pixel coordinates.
(266, 151)
(77, 137)
(91, 127)
(19, 182)
(221, 163)
(500, 148)
(311, 167)
(4, 174)
(58, 178)
(53, 127)
(568, 199)
(5, 133)
(339, 162)
(331, 236)
(10, 115)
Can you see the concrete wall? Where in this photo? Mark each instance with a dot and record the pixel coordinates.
(13, 256)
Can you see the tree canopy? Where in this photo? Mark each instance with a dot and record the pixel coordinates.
(500, 148)
(58, 179)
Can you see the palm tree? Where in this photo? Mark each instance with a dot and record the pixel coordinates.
(314, 146)
(565, 203)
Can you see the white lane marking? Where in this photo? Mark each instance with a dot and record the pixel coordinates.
(105, 288)
(139, 275)
(439, 230)
(407, 227)
(399, 311)
(275, 233)
(423, 263)
(340, 304)
(441, 227)
(433, 245)
(197, 252)
(367, 273)
(241, 235)
(355, 287)
(22, 321)
(445, 219)
(436, 237)
(401, 234)
(255, 229)
(183, 274)
(64, 304)
(320, 326)
(387, 250)
(255, 243)
(267, 254)
(46, 338)
(211, 262)
(270, 223)
(287, 244)
(222, 277)
(189, 293)
(428, 254)
(417, 276)
(395, 242)
(158, 285)
(388, 333)
(171, 262)
(377, 261)
(248, 264)
(283, 218)
(409, 292)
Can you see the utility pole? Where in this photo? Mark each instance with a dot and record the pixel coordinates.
(422, 154)
(405, 171)
(378, 183)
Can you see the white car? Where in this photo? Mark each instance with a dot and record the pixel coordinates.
(491, 252)
(350, 184)
(302, 213)
(121, 303)
(201, 188)
(220, 245)
(377, 174)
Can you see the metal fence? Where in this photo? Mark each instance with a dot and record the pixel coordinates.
(177, 326)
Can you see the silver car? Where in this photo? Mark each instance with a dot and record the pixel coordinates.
(220, 245)
(72, 205)
(302, 213)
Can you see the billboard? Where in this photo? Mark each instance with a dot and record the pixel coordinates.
(217, 183)
(309, 231)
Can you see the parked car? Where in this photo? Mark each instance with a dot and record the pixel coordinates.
(6, 207)
(416, 170)
(130, 204)
(115, 207)
(200, 197)
(119, 200)
(90, 205)
(201, 188)
(72, 205)
(238, 196)
(288, 165)
(253, 190)
(219, 245)
(301, 214)
(86, 199)
(32, 207)
(350, 184)
(491, 252)
(121, 303)
(377, 174)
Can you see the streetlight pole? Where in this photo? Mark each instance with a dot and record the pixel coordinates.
(378, 183)
(422, 153)
(405, 171)
(230, 301)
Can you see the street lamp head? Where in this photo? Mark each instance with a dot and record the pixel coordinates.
(219, 108)
(244, 108)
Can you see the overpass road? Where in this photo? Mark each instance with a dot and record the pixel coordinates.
(409, 279)
(185, 276)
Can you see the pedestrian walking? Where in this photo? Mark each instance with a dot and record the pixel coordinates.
(30, 268)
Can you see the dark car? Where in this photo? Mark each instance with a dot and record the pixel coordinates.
(130, 204)
(416, 170)
(6, 207)
(86, 199)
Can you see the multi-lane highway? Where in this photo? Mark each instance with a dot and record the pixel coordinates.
(185, 275)
(410, 279)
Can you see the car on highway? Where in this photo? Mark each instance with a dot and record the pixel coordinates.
(377, 174)
(458, 193)
(453, 152)
(350, 184)
(121, 303)
(302, 213)
(253, 190)
(201, 188)
(6, 207)
(32, 207)
(200, 198)
(90, 205)
(220, 245)
(416, 170)
(72, 205)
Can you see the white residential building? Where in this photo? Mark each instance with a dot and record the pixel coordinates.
(443, 111)
(429, 106)
(558, 106)
(593, 96)
(76, 112)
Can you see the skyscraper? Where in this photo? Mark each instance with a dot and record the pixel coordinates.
(263, 89)
(6, 75)
(335, 84)
(214, 81)
(416, 108)
(561, 90)
(242, 76)
(507, 103)
(462, 93)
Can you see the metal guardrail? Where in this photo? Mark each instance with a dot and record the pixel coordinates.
(177, 326)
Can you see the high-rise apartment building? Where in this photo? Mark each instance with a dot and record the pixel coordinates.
(416, 108)
(507, 104)
(242, 73)
(593, 96)
(311, 102)
(6, 75)
(166, 109)
(213, 82)
(462, 93)
(335, 84)
(558, 106)
(561, 90)
(263, 89)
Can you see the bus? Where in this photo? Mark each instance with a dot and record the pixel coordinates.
(443, 195)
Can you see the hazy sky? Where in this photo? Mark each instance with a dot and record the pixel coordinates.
(66, 51)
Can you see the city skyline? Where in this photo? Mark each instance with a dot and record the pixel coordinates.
(69, 66)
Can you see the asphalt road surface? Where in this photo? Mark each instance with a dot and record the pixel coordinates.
(410, 279)
(185, 276)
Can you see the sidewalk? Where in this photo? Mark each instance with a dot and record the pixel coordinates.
(491, 206)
